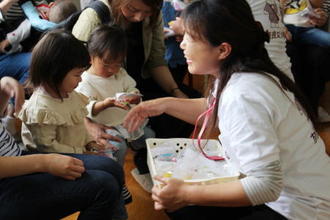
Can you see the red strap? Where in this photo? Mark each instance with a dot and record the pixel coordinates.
(207, 115)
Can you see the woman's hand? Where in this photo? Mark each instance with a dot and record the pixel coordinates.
(64, 166)
(171, 196)
(136, 116)
(97, 131)
(9, 87)
(320, 19)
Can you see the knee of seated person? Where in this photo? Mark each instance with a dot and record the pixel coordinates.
(110, 166)
(107, 184)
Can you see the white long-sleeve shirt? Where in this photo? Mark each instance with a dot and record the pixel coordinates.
(268, 136)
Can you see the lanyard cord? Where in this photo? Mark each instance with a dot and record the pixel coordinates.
(207, 115)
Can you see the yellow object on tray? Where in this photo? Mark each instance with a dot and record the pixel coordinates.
(179, 145)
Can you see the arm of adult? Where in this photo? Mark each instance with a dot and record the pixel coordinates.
(6, 4)
(9, 87)
(184, 109)
(58, 165)
(156, 64)
(164, 78)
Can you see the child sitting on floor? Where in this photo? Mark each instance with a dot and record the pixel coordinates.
(105, 80)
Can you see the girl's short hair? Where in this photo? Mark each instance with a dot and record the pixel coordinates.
(57, 53)
(108, 40)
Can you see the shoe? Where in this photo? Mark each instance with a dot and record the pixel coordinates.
(126, 195)
(324, 116)
(144, 180)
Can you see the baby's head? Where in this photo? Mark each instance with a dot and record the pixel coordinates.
(57, 62)
(107, 47)
(61, 10)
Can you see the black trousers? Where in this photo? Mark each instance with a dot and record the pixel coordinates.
(260, 212)
(311, 69)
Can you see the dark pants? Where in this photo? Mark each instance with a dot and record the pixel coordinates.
(15, 65)
(44, 196)
(310, 67)
(261, 212)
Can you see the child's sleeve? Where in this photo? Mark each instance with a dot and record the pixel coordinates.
(45, 139)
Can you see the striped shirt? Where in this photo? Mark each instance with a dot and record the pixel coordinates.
(326, 6)
(8, 146)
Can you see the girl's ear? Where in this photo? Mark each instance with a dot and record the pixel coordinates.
(224, 50)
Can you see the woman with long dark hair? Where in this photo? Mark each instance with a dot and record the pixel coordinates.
(267, 129)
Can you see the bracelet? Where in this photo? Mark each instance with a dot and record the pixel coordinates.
(172, 90)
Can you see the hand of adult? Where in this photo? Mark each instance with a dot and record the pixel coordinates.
(320, 19)
(97, 131)
(177, 26)
(64, 166)
(3, 44)
(171, 194)
(136, 116)
(11, 88)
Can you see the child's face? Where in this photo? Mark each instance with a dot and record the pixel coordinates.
(105, 67)
(71, 81)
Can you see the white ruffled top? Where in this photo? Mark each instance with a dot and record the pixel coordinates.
(55, 125)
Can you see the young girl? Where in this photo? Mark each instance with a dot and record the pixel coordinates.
(53, 117)
(104, 80)
(52, 186)
(266, 126)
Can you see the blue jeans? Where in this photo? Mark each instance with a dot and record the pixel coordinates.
(44, 196)
(15, 65)
(310, 35)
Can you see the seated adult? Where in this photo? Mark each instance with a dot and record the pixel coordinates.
(52, 186)
(267, 128)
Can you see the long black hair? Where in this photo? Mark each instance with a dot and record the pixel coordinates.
(231, 21)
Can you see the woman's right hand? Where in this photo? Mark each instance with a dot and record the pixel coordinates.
(97, 131)
(63, 166)
(137, 115)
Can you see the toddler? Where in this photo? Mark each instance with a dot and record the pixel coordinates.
(111, 89)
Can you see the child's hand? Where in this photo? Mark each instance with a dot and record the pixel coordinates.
(64, 166)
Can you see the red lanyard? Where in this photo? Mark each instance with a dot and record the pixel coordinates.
(207, 115)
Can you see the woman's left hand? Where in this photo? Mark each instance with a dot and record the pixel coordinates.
(171, 194)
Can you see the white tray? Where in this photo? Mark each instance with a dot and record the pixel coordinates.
(181, 143)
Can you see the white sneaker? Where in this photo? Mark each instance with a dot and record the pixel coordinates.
(144, 180)
(324, 116)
